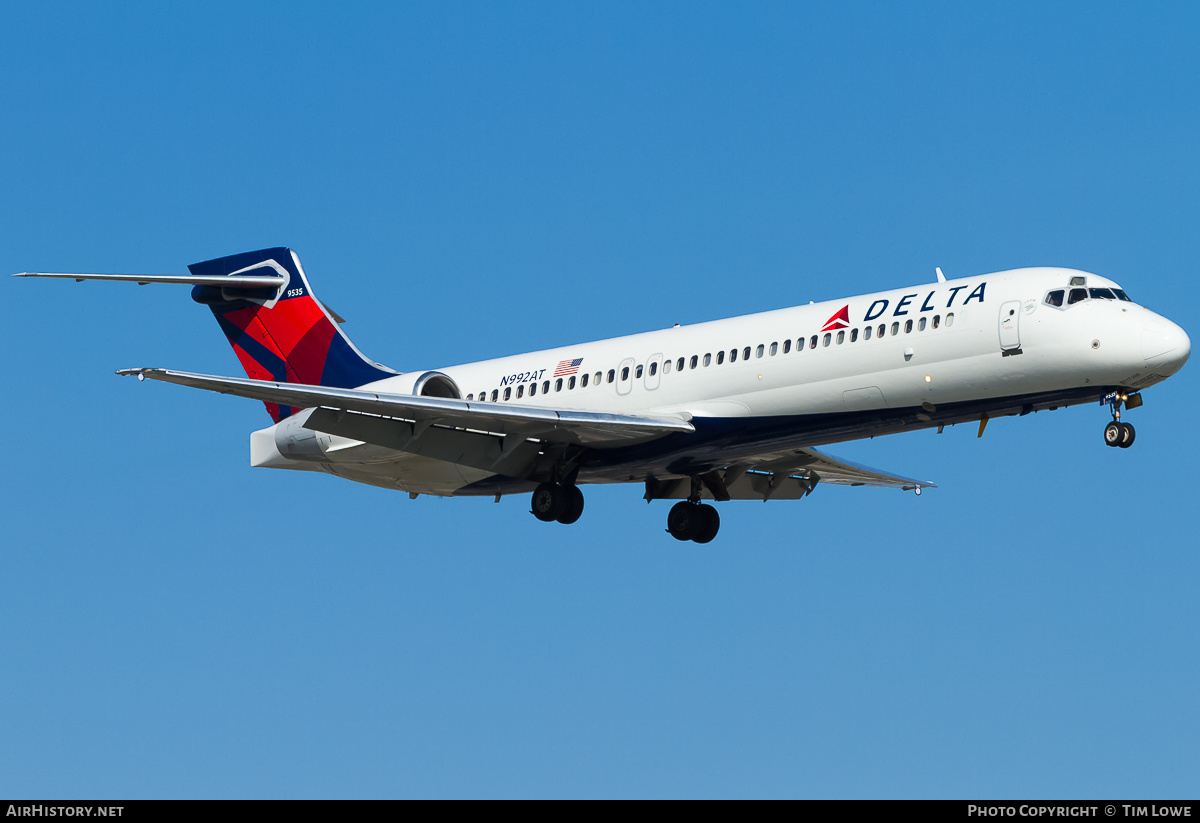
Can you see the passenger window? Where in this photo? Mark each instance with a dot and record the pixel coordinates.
(800, 344)
(695, 361)
(545, 387)
(1077, 296)
(666, 367)
(867, 333)
(921, 324)
(1055, 298)
(653, 368)
(937, 320)
(720, 357)
(774, 349)
(520, 391)
(881, 330)
(679, 364)
(950, 319)
(854, 335)
(707, 360)
(895, 328)
(598, 378)
(746, 353)
(624, 374)
(759, 351)
(787, 346)
(583, 381)
(532, 389)
(733, 355)
(907, 326)
(828, 337)
(558, 384)
(470, 397)
(812, 342)
(495, 395)
(841, 337)
(571, 382)
(638, 373)
(612, 375)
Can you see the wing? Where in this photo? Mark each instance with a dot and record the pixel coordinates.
(477, 434)
(593, 429)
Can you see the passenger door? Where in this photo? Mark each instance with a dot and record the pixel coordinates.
(1010, 322)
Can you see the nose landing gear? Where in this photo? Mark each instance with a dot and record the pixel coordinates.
(1117, 433)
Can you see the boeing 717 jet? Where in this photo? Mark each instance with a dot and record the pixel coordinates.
(725, 410)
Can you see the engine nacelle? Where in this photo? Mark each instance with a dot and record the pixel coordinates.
(422, 384)
(288, 443)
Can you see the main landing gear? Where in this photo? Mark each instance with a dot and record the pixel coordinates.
(687, 520)
(692, 520)
(1117, 433)
(557, 501)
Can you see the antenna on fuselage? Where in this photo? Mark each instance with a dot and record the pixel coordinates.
(941, 277)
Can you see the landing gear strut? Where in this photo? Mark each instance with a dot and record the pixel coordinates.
(691, 520)
(556, 501)
(1117, 433)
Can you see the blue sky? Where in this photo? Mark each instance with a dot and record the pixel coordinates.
(471, 180)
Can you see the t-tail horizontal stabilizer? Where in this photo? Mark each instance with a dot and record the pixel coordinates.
(250, 281)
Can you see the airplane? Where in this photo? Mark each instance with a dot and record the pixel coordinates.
(723, 410)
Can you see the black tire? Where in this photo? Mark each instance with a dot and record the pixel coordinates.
(1113, 434)
(684, 520)
(1127, 435)
(548, 502)
(574, 505)
(710, 523)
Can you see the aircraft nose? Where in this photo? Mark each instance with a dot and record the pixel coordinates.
(1165, 346)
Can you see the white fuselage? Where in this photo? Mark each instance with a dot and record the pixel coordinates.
(992, 342)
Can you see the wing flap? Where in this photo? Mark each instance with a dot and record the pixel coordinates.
(788, 478)
(598, 429)
(840, 472)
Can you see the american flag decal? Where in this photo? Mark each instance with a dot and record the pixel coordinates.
(566, 367)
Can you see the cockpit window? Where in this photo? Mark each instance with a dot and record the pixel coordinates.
(1055, 298)
(1077, 296)
(1101, 294)
(1121, 295)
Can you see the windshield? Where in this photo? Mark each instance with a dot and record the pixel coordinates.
(1078, 294)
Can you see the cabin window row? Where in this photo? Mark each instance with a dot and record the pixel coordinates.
(558, 385)
(816, 341)
(695, 361)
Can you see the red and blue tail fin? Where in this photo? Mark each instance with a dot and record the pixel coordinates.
(285, 334)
